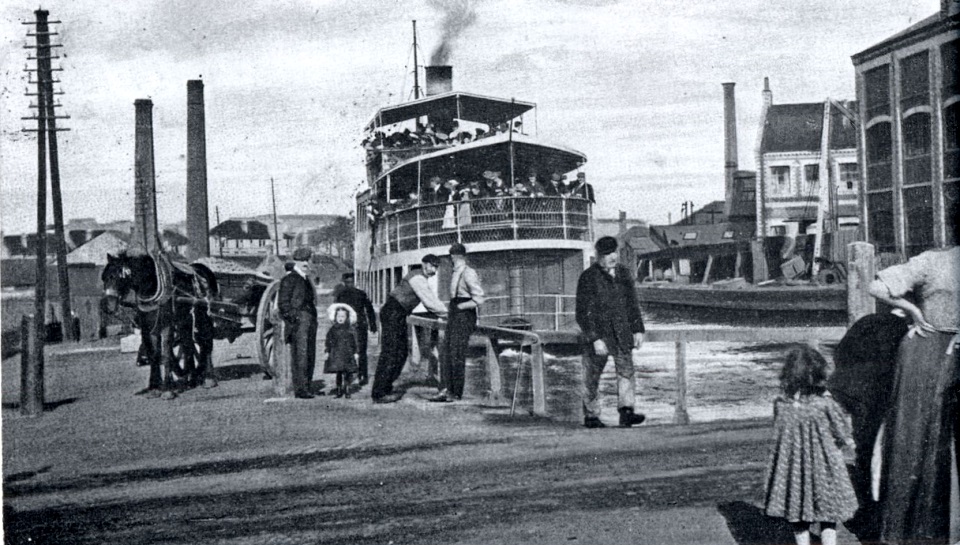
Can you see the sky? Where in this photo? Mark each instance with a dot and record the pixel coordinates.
(289, 85)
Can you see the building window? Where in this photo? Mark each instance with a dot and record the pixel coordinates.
(849, 175)
(918, 213)
(914, 81)
(879, 156)
(951, 196)
(880, 214)
(916, 149)
(728, 234)
(779, 180)
(951, 77)
(951, 142)
(779, 230)
(690, 236)
(877, 90)
(811, 173)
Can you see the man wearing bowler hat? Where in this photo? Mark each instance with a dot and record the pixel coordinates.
(466, 294)
(411, 291)
(297, 303)
(358, 300)
(608, 313)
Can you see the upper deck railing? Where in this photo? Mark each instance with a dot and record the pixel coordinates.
(484, 220)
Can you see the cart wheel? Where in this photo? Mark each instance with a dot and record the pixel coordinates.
(268, 326)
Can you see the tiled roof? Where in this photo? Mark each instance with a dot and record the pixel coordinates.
(233, 230)
(798, 127)
(95, 251)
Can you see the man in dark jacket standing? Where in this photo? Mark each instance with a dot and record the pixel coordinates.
(608, 313)
(366, 319)
(298, 308)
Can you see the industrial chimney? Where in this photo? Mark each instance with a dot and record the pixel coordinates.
(439, 79)
(730, 146)
(198, 227)
(145, 236)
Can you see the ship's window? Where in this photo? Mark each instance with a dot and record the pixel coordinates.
(690, 236)
(728, 234)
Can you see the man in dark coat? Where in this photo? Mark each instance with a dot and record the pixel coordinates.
(366, 319)
(298, 308)
(608, 313)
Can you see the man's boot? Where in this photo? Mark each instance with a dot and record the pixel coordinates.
(593, 422)
(629, 418)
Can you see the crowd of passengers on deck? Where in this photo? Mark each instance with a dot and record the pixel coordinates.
(429, 136)
(490, 186)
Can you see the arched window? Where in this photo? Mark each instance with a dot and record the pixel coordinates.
(916, 149)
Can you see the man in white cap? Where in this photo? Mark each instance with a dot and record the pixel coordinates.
(608, 313)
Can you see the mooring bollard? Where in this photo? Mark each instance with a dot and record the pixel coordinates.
(861, 270)
(31, 368)
(680, 413)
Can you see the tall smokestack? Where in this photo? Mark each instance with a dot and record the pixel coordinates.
(439, 79)
(198, 226)
(730, 145)
(145, 186)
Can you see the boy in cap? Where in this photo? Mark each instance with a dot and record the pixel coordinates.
(297, 303)
(411, 291)
(608, 313)
(358, 300)
(466, 294)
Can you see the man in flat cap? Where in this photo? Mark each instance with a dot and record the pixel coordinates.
(411, 291)
(466, 294)
(358, 300)
(298, 308)
(608, 313)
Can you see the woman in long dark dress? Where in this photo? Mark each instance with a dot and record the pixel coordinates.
(919, 458)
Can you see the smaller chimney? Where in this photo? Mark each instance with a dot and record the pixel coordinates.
(439, 79)
(767, 93)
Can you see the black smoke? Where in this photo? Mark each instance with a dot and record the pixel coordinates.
(458, 15)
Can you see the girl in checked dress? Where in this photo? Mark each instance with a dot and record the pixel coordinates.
(807, 481)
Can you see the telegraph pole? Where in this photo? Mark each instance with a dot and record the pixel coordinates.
(276, 230)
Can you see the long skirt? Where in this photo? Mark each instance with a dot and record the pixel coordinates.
(919, 463)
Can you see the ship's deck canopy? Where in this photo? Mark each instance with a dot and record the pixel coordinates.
(452, 105)
(469, 161)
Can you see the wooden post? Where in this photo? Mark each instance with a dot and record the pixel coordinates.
(415, 353)
(760, 270)
(536, 379)
(283, 371)
(493, 372)
(680, 413)
(861, 270)
(31, 368)
(706, 273)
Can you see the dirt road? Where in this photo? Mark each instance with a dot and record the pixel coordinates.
(232, 465)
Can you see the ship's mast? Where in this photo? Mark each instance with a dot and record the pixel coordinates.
(416, 66)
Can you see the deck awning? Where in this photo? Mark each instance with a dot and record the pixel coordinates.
(493, 153)
(455, 104)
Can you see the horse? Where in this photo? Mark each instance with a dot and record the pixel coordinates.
(172, 311)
